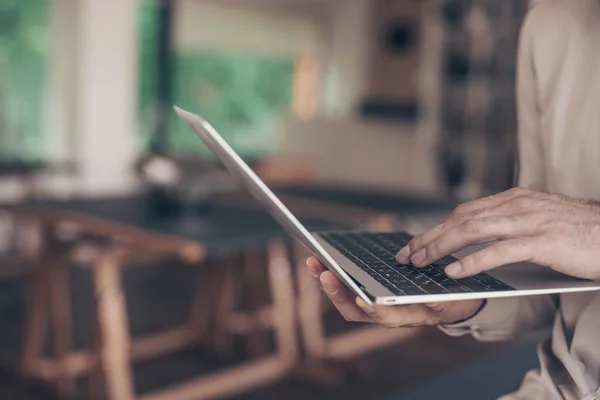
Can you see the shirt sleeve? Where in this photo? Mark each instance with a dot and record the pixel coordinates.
(508, 318)
(516, 317)
(530, 154)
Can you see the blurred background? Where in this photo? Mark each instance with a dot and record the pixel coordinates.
(361, 113)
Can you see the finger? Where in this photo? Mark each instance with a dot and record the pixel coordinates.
(489, 202)
(496, 255)
(405, 254)
(396, 316)
(485, 207)
(315, 267)
(476, 231)
(342, 299)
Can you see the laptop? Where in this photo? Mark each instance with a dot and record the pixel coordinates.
(365, 261)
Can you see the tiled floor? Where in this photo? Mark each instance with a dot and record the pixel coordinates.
(167, 291)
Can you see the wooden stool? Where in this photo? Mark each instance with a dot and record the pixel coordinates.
(109, 361)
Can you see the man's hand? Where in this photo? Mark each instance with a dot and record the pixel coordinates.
(546, 229)
(355, 309)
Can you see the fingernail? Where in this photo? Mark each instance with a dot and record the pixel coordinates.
(403, 254)
(453, 269)
(329, 288)
(313, 270)
(311, 262)
(419, 256)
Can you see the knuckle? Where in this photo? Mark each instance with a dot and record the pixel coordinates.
(349, 318)
(545, 205)
(467, 262)
(415, 243)
(542, 218)
(433, 248)
(461, 209)
(523, 245)
(478, 211)
(547, 225)
(523, 203)
(471, 226)
(518, 190)
(472, 262)
(447, 224)
(457, 220)
(522, 249)
(502, 250)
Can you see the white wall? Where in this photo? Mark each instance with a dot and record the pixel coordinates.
(349, 150)
(374, 155)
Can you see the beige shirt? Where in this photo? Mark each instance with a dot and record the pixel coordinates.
(559, 151)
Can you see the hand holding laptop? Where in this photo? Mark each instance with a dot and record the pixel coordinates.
(546, 229)
(354, 309)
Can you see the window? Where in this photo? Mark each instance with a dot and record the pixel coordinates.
(240, 94)
(237, 66)
(24, 32)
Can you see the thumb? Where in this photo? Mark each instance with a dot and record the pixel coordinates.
(437, 307)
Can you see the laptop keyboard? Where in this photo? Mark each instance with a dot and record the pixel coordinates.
(375, 253)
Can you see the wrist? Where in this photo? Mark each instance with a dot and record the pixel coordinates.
(472, 315)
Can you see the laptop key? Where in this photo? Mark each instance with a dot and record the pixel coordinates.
(413, 290)
(455, 287)
(473, 284)
(433, 288)
(439, 264)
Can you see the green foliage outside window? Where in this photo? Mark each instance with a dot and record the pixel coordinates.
(242, 95)
(24, 45)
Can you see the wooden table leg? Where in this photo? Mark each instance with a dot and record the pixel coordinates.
(37, 317)
(316, 367)
(113, 326)
(60, 319)
(256, 296)
(310, 310)
(199, 321)
(97, 384)
(226, 302)
(283, 298)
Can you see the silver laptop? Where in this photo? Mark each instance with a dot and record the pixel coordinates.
(365, 261)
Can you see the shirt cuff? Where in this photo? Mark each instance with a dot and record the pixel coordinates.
(490, 321)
